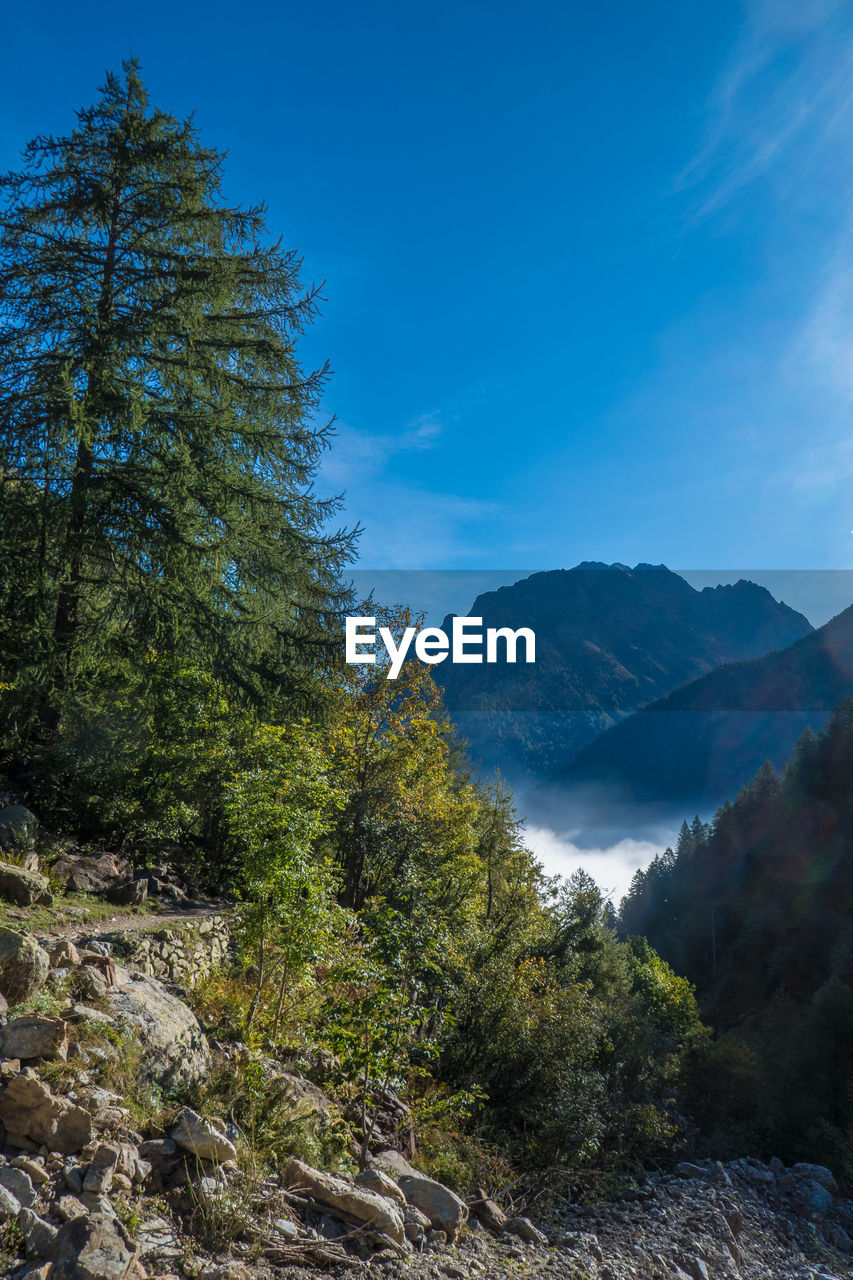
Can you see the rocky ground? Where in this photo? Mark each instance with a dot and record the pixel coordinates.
(93, 1189)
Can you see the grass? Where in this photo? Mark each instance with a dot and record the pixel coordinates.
(69, 908)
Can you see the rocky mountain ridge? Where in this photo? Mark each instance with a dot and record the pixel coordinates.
(698, 745)
(609, 639)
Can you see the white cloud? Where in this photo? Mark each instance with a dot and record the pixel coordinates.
(612, 868)
(355, 454)
(782, 103)
(405, 527)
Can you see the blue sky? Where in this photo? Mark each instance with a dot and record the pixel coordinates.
(589, 267)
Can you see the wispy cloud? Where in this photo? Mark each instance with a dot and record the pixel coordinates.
(405, 526)
(782, 102)
(357, 454)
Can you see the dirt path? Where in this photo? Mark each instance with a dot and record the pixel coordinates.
(89, 926)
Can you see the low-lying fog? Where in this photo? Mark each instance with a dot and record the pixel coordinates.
(611, 866)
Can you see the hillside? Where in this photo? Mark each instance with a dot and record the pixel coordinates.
(699, 744)
(608, 640)
(95, 1185)
(756, 910)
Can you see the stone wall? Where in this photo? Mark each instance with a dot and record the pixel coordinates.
(184, 952)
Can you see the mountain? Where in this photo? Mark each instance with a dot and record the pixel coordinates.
(699, 744)
(608, 640)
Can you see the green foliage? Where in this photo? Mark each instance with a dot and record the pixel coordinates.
(756, 909)
(157, 436)
(170, 604)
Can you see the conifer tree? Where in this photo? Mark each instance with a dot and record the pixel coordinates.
(158, 441)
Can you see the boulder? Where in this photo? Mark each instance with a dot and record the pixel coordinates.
(415, 1224)
(813, 1199)
(63, 954)
(23, 887)
(442, 1206)
(175, 1049)
(19, 1183)
(18, 828)
(392, 1162)
(89, 983)
(490, 1214)
(39, 1236)
(34, 1037)
(29, 1110)
(363, 1207)
(378, 1182)
(105, 965)
(305, 1097)
(83, 873)
(34, 1169)
(9, 1206)
(99, 1176)
(201, 1137)
(525, 1230)
(95, 1247)
(24, 965)
(132, 893)
(818, 1173)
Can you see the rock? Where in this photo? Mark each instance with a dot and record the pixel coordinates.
(29, 1110)
(734, 1220)
(840, 1239)
(85, 1013)
(687, 1170)
(377, 1181)
(95, 1202)
(18, 828)
(490, 1214)
(83, 873)
(24, 965)
(286, 1227)
(68, 1207)
(442, 1206)
(63, 954)
(415, 1224)
(525, 1230)
(130, 894)
(37, 1272)
(813, 1199)
(34, 1037)
(130, 1162)
(34, 1170)
(90, 983)
(9, 1206)
(92, 1248)
(817, 1173)
(393, 1162)
(104, 964)
(39, 1236)
(23, 887)
(224, 1271)
(699, 1269)
(99, 1176)
(305, 1097)
(19, 1184)
(160, 1153)
(175, 1049)
(201, 1137)
(364, 1207)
